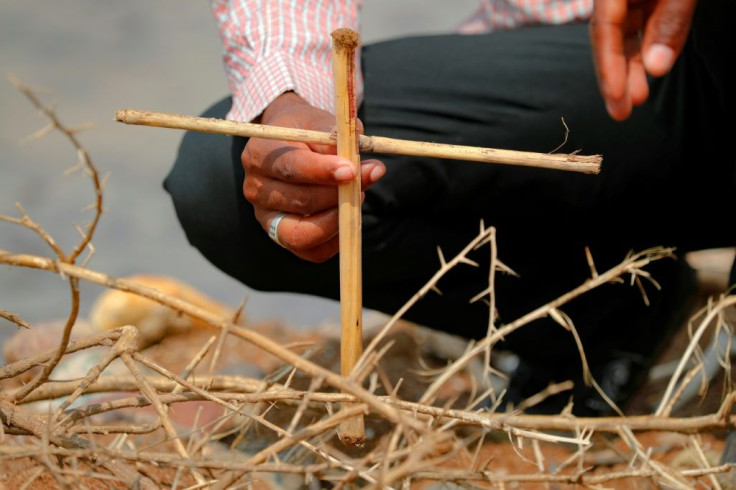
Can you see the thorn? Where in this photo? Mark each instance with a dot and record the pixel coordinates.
(104, 180)
(395, 391)
(72, 170)
(591, 264)
(436, 290)
(466, 260)
(654, 282)
(557, 316)
(373, 382)
(482, 242)
(89, 207)
(81, 127)
(38, 134)
(642, 291)
(500, 266)
(79, 229)
(442, 256)
(20, 209)
(480, 295)
(83, 157)
(89, 256)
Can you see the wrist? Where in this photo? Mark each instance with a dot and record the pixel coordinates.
(283, 102)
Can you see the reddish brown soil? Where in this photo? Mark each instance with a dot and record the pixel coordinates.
(405, 360)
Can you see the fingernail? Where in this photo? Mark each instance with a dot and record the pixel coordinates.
(618, 110)
(377, 172)
(659, 59)
(344, 172)
(610, 108)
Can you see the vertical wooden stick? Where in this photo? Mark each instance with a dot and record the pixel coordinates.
(344, 43)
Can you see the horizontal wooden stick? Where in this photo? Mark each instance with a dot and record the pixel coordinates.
(589, 164)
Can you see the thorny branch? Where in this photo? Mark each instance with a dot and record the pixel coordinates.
(85, 163)
(422, 437)
(14, 318)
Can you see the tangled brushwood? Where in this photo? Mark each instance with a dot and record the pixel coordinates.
(276, 429)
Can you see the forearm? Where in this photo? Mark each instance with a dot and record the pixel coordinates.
(275, 46)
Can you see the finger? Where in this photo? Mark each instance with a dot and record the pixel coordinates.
(326, 250)
(636, 77)
(637, 82)
(665, 34)
(300, 234)
(321, 252)
(371, 172)
(607, 32)
(302, 199)
(292, 163)
(332, 128)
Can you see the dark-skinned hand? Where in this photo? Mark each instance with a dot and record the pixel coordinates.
(633, 38)
(300, 179)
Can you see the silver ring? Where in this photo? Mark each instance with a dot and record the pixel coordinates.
(273, 228)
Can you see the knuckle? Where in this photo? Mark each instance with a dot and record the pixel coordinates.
(301, 206)
(305, 204)
(251, 189)
(247, 157)
(250, 195)
(285, 171)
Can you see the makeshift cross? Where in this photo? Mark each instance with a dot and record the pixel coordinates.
(349, 144)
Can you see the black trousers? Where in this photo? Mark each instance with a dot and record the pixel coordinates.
(668, 178)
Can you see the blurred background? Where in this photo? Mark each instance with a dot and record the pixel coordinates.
(90, 58)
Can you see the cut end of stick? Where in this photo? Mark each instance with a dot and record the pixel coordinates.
(589, 163)
(352, 440)
(133, 116)
(345, 38)
(351, 432)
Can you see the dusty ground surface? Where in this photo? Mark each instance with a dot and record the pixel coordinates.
(415, 353)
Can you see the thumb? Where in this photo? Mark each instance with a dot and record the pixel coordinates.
(665, 34)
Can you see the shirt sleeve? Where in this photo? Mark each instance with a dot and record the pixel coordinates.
(274, 46)
(494, 15)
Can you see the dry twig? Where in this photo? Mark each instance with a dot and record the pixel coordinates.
(420, 436)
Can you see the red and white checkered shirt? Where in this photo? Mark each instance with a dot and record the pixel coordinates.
(273, 46)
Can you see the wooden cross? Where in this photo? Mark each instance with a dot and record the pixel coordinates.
(349, 144)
